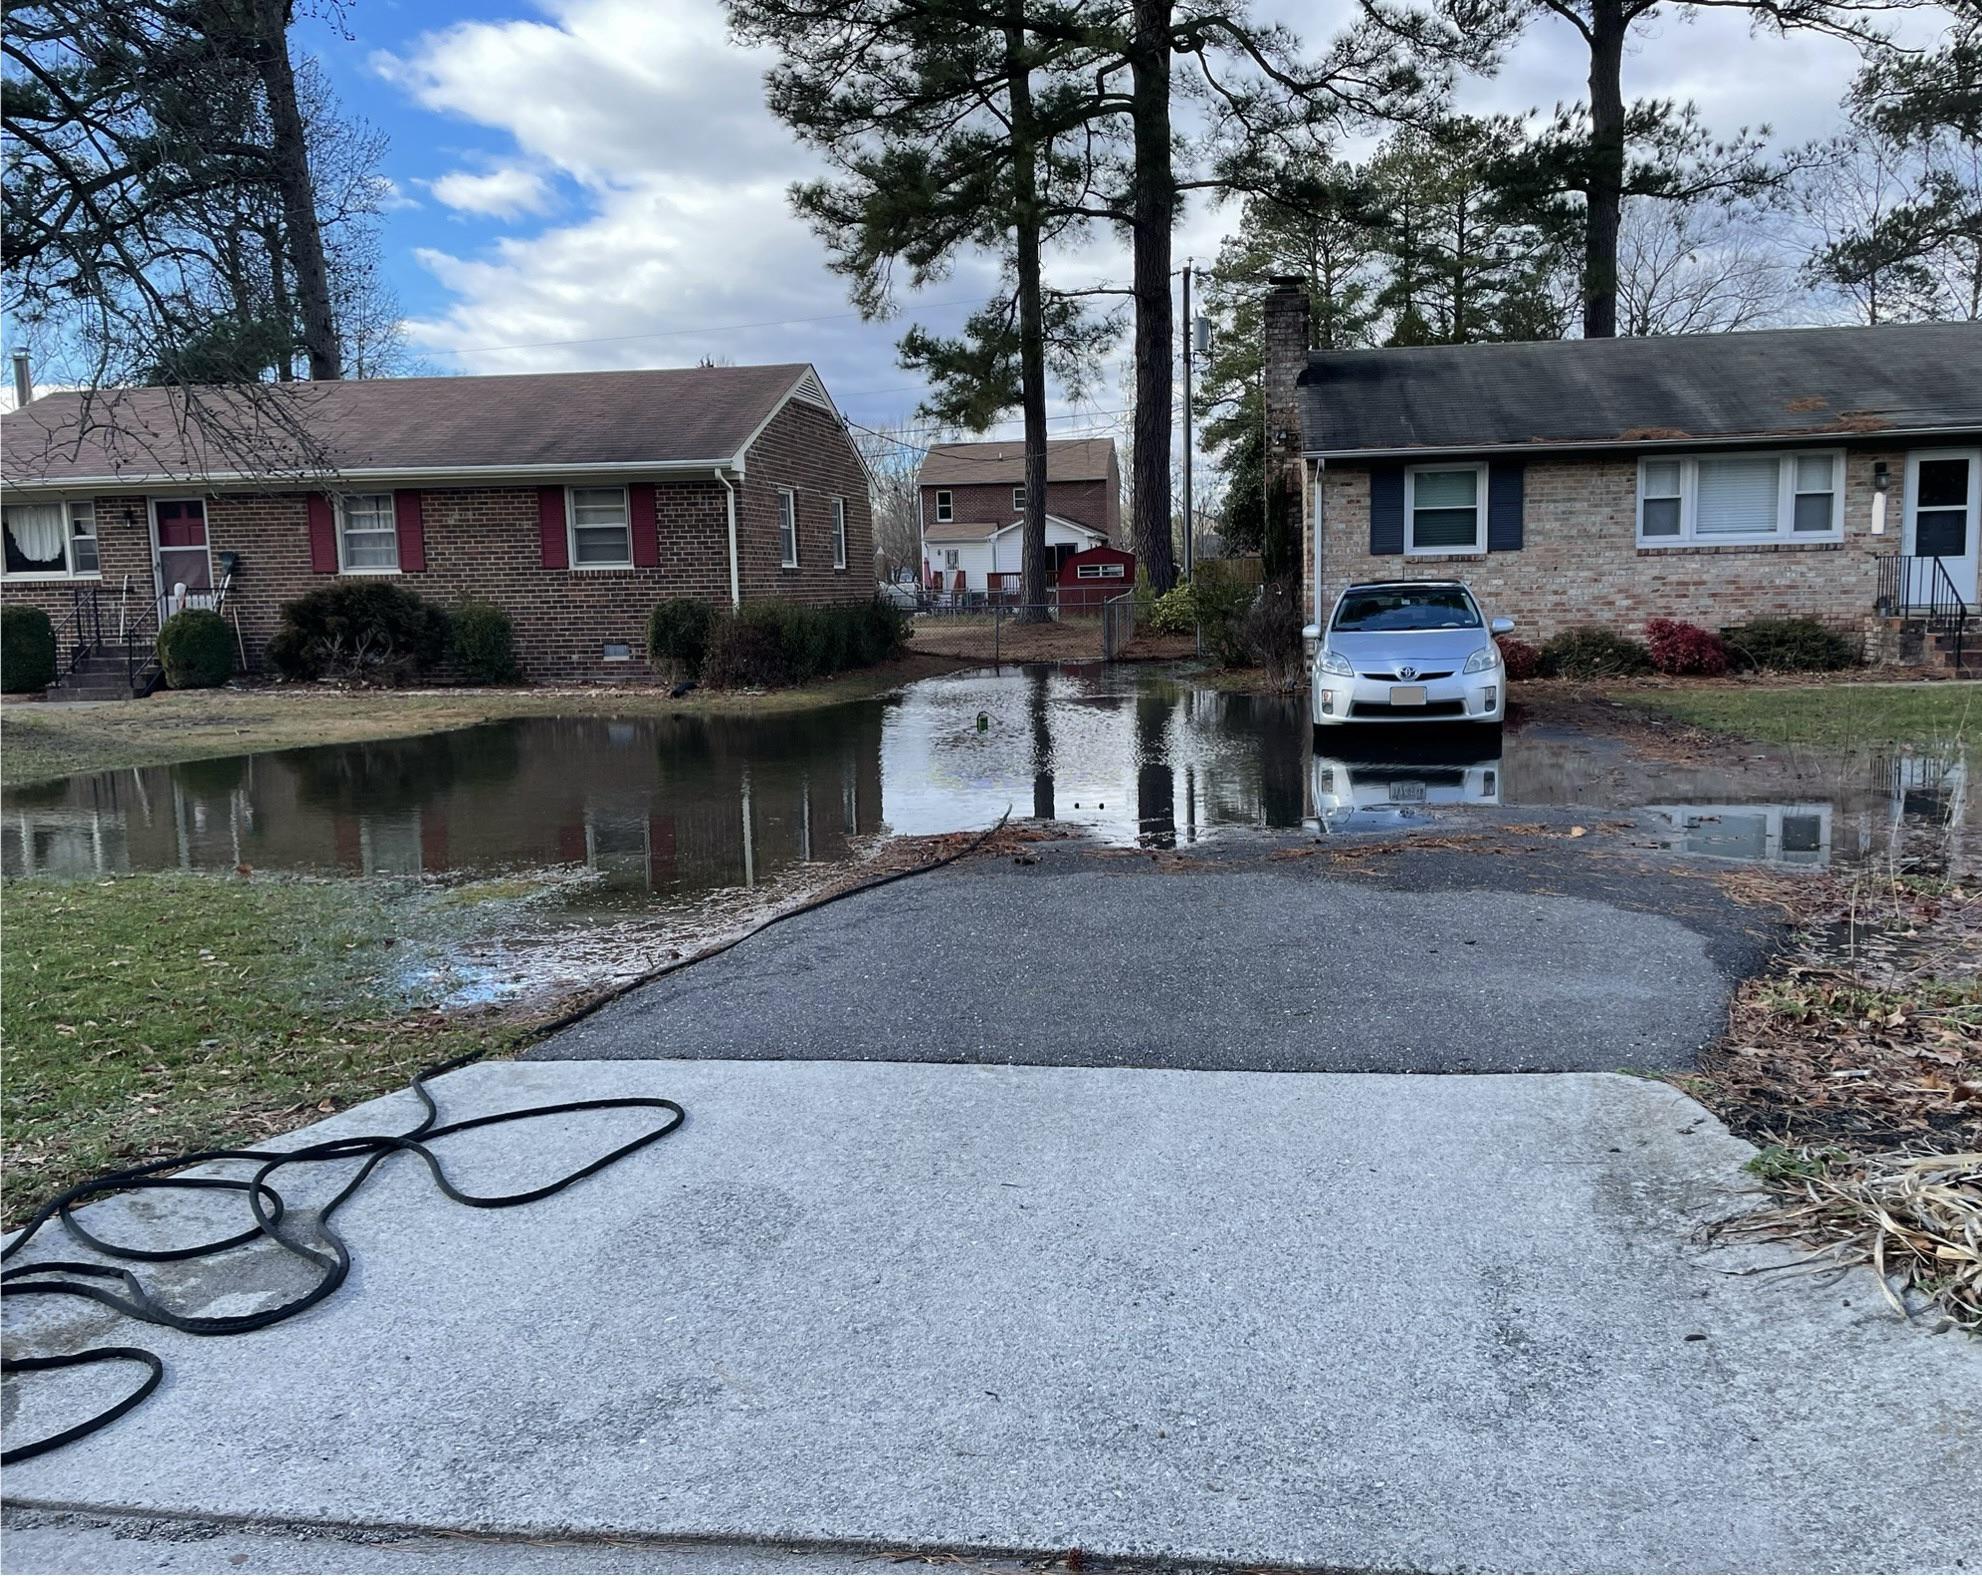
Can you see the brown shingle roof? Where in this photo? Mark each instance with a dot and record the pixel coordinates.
(570, 420)
(1067, 460)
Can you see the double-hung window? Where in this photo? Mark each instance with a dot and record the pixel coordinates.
(946, 506)
(1018, 499)
(1445, 509)
(839, 533)
(367, 534)
(1721, 499)
(601, 529)
(51, 540)
(787, 528)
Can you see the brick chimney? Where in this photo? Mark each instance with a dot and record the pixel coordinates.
(1287, 320)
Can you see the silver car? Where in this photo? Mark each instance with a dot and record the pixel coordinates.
(1407, 651)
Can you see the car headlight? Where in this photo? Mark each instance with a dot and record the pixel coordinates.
(1334, 662)
(1485, 660)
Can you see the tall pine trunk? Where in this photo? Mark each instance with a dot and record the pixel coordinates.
(1154, 210)
(1605, 194)
(291, 163)
(1032, 324)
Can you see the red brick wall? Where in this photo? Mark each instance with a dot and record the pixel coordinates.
(1085, 503)
(482, 542)
(1580, 562)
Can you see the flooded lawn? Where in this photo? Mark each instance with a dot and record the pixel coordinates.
(658, 815)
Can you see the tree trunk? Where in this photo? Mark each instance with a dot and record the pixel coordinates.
(279, 302)
(1032, 326)
(291, 161)
(1154, 210)
(1605, 194)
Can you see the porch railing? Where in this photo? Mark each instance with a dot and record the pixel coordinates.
(1918, 586)
(82, 631)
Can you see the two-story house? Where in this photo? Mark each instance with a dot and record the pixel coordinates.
(971, 498)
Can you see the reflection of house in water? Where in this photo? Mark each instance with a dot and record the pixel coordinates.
(668, 806)
(1774, 834)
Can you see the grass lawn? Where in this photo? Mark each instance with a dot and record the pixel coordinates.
(1834, 715)
(152, 1014)
(39, 741)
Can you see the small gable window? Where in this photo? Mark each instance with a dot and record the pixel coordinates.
(946, 506)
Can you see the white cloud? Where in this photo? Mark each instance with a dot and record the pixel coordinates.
(502, 194)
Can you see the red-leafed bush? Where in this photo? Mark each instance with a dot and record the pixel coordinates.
(1523, 660)
(1685, 648)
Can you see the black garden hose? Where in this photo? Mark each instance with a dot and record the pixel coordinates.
(71, 1278)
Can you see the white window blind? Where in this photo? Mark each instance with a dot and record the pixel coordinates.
(1736, 497)
(371, 538)
(600, 532)
(1664, 498)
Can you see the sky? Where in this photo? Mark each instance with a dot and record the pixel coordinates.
(597, 183)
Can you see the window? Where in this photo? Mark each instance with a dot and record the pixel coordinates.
(1730, 498)
(1941, 503)
(1018, 499)
(1379, 609)
(946, 507)
(1098, 572)
(367, 534)
(951, 557)
(1445, 509)
(787, 528)
(51, 540)
(601, 533)
(839, 533)
(616, 651)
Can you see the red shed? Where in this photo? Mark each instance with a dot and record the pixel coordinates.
(1097, 575)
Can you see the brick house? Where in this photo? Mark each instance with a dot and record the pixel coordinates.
(970, 497)
(575, 501)
(1834, 473)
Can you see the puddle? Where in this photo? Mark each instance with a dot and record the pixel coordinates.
(655, 817)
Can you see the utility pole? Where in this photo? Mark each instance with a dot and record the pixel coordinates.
(1190, 525)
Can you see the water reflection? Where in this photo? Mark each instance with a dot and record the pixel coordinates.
(665, 809)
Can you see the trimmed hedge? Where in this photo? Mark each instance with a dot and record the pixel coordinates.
(1593, 653)
(27, 650)
(767, 645)
(1789, 645)
(678, 635)
(482, 642)
(365, 630)
(1679, 648)
(196, 649)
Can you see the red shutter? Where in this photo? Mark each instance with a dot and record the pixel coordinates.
(407, 516)
(323, 535)
(640, 514)
(550, 527)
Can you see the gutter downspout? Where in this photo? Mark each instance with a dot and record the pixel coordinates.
(1320, 470)
(735, 577)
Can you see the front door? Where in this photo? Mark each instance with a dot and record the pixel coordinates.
(185, 569)
(1944, 518)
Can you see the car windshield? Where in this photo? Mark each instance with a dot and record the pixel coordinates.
(1406, 607)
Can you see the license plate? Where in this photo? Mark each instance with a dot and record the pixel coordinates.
(1407, 793)
(1407, 694)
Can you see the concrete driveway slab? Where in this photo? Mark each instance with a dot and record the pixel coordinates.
(1476, 962)
(1356, 1322)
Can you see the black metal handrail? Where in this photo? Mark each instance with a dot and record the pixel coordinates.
(1919, 586)
(140, 636)
(82, 630)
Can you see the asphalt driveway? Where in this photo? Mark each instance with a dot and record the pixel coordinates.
(1523, 953)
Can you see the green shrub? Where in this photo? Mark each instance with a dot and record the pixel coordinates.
(1593, 653)
(766, 645)
(1175, 612)
(27, 650)
(370, 631)
(482, 642)
(1222, 611)
(196, 649)
(1789, 645)
(678, 635)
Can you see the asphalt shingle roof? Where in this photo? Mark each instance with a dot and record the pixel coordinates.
(1780, 383)
(574, 419)
(1067, 460)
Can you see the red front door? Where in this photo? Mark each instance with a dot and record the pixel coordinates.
(183, 560)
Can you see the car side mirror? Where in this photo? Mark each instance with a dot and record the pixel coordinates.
(1311, 632)
(1501, 626)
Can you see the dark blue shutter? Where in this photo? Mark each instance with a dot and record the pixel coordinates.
(1504, 486)
(1386, 508)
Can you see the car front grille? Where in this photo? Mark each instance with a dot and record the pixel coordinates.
(1436, 708)
(1419, 678)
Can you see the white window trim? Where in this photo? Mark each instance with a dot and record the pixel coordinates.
(1018, 497)
(571, 528)
(1689, 478)
(337, 504)
(1411, 514)
(839, 533)
(787, 504)
(1914, 456)
(1107, 571)
(53, 576)
(946, 506)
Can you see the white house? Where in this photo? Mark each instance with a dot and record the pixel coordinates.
(986, 557)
